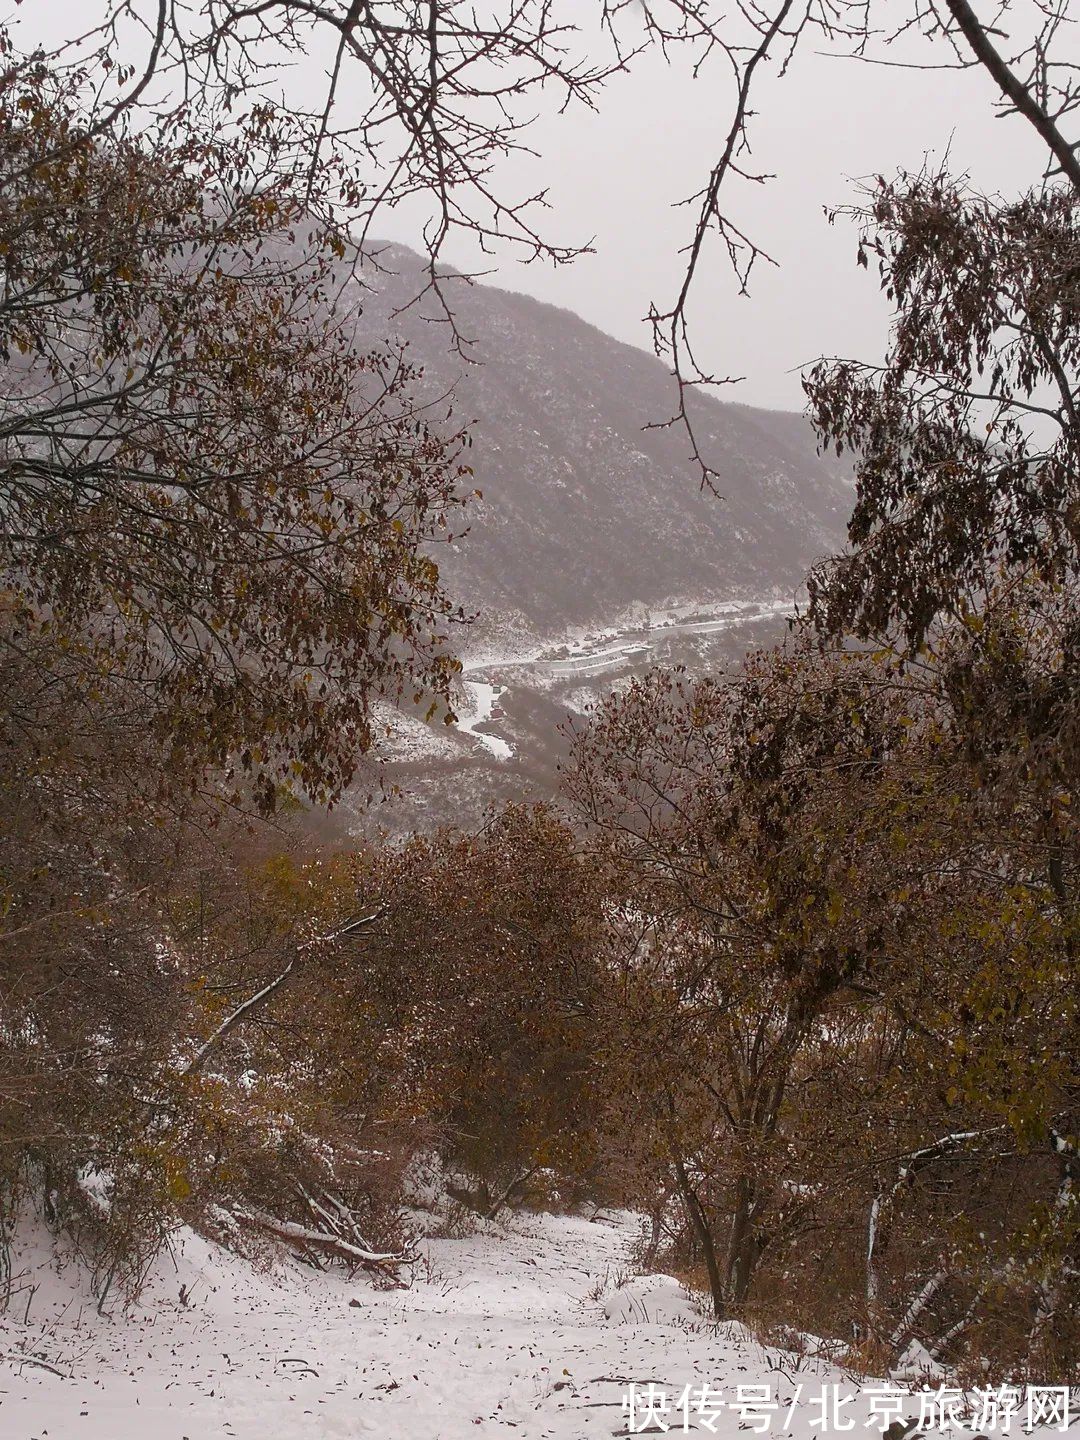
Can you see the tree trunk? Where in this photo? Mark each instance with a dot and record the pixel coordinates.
(652, 1249)
(744, 1250)
(698, 1219)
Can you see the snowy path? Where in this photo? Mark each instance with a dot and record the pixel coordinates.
(504, 1337)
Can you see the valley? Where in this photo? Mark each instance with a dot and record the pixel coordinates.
(517, 704)
(580, 669)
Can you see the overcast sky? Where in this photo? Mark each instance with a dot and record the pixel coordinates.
(615, 178)
(822, 129)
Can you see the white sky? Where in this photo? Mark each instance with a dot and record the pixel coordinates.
(821, 129)
(616, 175)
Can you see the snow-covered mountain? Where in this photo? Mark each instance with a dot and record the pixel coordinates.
(594, 552)
(584, 511)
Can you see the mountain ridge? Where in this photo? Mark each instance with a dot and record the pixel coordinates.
(585, 513)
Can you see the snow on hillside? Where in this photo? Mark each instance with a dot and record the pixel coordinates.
(584, 511)
(531, 1329)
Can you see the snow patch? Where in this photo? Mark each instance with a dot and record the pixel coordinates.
(485, 707)
(651, 1300)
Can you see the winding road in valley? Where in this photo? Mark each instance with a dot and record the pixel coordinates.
(590, 658)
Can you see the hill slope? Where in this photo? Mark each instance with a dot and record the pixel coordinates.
(584, 512)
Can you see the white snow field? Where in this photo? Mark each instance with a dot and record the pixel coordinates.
(521, 1330)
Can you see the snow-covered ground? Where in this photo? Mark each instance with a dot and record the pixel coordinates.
(533, 1329)
(484, 702)
(519, 1330)
(606, 650)
(408, 737)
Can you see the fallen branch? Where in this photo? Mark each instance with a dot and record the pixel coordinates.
(18, 1359)
(382, 1262)
(883, 1206)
